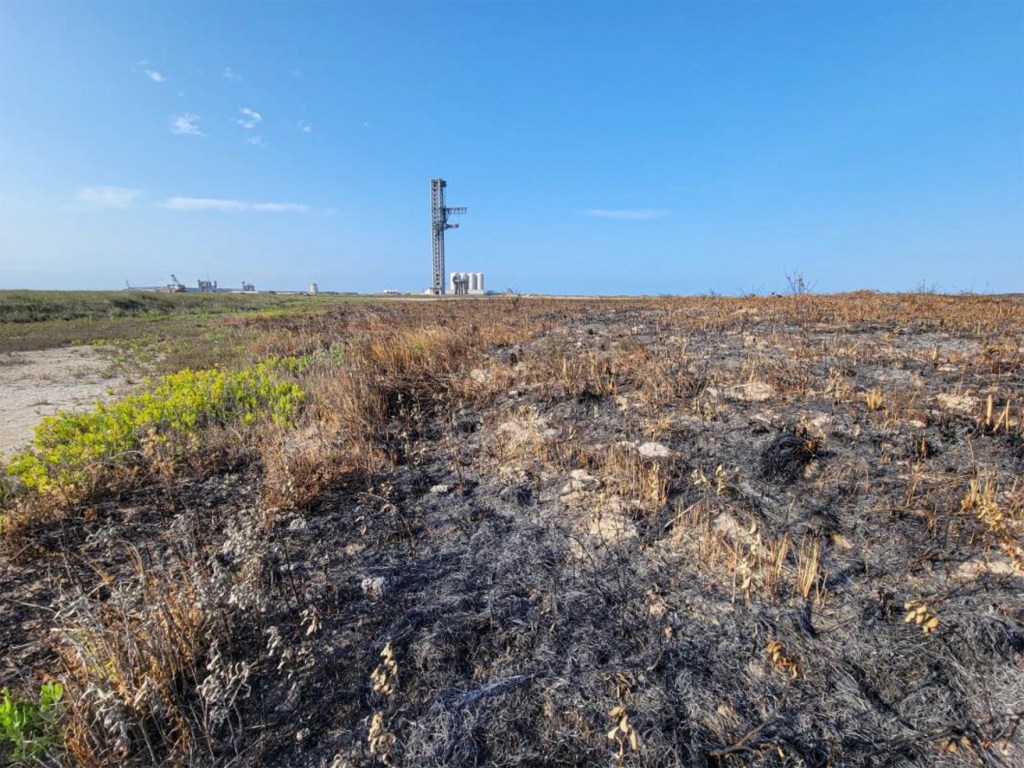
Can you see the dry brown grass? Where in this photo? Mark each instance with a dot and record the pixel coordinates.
(128, 662)
(465, 489)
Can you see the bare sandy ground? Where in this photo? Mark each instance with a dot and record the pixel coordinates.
(39, 383)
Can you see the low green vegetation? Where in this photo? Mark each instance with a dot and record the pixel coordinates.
(28, 730)
(165, 322)
(40, 306)
(71, 448)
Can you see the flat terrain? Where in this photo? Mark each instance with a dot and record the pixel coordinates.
(35, 320)
(678, 532)
(39, 383)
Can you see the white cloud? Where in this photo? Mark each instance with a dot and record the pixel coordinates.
(215, 204)
(249, 118)
(256, 141)
(152, 74)
(281, 207)
(185, 125)
(305, 127)
(108, 197)
(202, 204)
(230, 74)
(637, 214)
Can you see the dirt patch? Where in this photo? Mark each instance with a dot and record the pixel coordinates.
(40, 383)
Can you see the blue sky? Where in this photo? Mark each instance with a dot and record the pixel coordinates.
(600, 148)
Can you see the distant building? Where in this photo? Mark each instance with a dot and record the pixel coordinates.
(314, 289)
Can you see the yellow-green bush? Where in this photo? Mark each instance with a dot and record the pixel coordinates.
(68, 447)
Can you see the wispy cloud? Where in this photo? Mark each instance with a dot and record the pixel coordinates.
(202, 204)
(108, 197)
(152, 74)
(637, 214)
(185, 125)
(256, 141)
(215, 204)
(281, 207)
(230, 74)
(249, 118)
(305, 127)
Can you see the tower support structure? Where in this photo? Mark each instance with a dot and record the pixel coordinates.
(439, 214)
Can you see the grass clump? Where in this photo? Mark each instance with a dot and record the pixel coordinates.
(28, 730)
(69, 449)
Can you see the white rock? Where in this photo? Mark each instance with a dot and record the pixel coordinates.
(654, 451)
(611, 527)
(753, 392)
(373, 586)
(821, 422)
(960, 403)
(440, 488)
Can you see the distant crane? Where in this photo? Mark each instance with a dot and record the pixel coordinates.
(438, 224)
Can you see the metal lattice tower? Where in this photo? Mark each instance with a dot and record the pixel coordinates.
(438, 224)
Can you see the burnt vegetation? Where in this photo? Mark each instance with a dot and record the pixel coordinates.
(679, 532)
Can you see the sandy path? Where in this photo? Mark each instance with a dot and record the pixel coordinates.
(39, 383)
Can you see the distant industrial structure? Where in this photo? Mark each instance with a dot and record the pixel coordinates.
(466, 283)
(203, 286)
(439, 214)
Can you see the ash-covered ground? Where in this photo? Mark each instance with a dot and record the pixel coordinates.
(771, 532)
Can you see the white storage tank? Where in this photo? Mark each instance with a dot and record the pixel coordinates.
(460, 283)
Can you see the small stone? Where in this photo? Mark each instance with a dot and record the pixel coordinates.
(373, 586)
(961, 403)
(440, 488)
(753, 392)
(654, 451)
(302, 735)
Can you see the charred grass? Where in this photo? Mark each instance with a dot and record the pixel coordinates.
(772, 532)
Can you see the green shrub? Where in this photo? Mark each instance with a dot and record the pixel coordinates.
(68, 448)
(29, 730)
